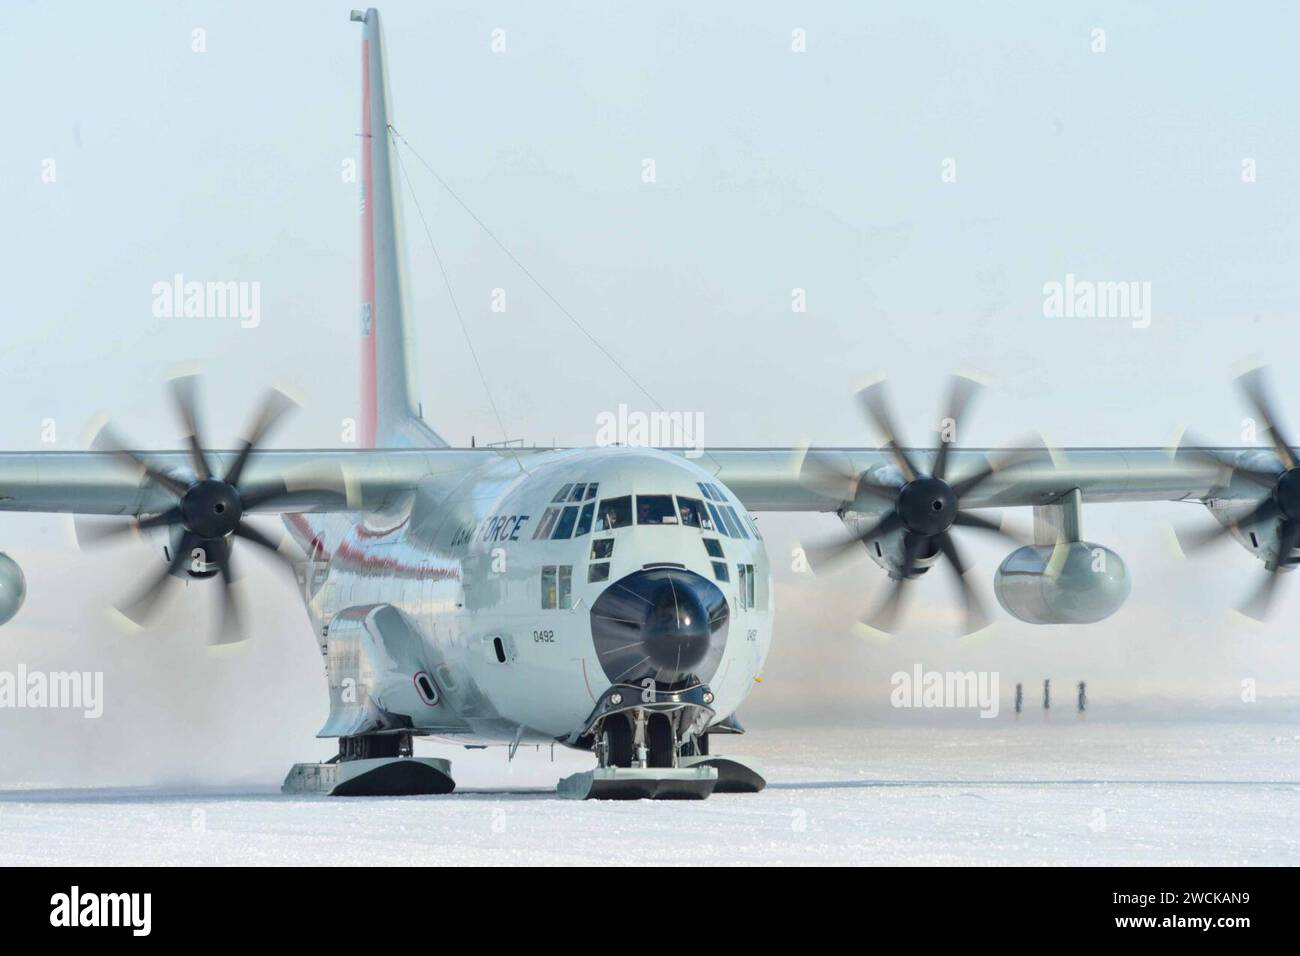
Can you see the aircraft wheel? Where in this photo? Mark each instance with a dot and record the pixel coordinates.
(698, 747)
(617, 734)
(659, 741)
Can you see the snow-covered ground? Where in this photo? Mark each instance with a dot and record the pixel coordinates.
(1005, 791)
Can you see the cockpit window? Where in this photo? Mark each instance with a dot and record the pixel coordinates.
(577, 493)
(655, 509)
(591, 489)
(614, 513)
(546, 524)
(563, 493)
(690, 510)
(706, 519)
(718, 524)
(729, 513)
(564, 527)
(704, 489)
(584, 520)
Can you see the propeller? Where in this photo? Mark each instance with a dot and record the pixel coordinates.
(1281, 481)
(925, 507)
(209, 512)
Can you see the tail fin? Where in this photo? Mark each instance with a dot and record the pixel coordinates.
(390, 415)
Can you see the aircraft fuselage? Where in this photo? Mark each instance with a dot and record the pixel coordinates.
(523, 595)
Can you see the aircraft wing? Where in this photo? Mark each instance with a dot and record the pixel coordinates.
(115, 483)
(765, 479)
(827, 479)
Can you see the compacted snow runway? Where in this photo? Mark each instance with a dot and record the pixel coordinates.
(1005, 791)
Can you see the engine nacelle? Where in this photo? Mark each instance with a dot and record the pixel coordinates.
(13, 588)
(1070, 583)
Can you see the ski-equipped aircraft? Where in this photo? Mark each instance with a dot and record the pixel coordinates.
(618, 600)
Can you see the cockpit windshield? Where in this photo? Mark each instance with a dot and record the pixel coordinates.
(615, 513)
(707, 516)
(655, 509)
(691, 511)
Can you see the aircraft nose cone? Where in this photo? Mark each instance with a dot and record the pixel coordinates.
(676, 626)
(666, 624)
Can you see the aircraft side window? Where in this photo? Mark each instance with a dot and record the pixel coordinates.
(689, 509)
(614, 513)
(591, 489)
(745, 585)
(598, 572)
(602, 548)
(713, 546)
(733, 520)
(566, 586)
(550, 595)
(563, 493)
(564, 527)
(655, 509)
(546, 524)
(584, 520)
(577, 493)
(718, 524)
(720, 571)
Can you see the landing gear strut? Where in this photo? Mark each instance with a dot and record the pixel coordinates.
(639, 738)
(653, 743)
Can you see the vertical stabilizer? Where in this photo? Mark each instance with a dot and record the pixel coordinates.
(390, 415)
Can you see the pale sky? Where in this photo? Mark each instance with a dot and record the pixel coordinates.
(775, 170)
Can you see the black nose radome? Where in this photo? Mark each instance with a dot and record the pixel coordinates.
(663, 623)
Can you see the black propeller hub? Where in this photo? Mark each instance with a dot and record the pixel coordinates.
(1287, 494)
(211, 508)
(927, 506)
